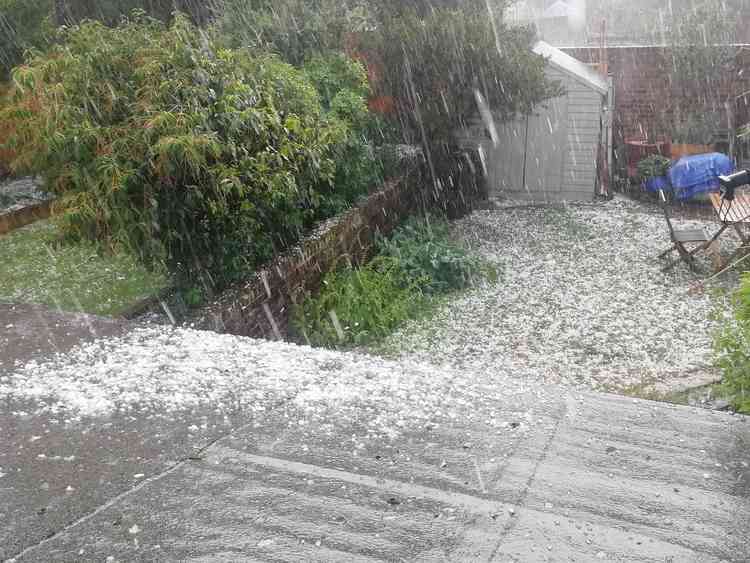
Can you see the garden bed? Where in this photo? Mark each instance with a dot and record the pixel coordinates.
(36, 269)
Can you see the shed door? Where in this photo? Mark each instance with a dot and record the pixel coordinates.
(507, 158)
(545, 150)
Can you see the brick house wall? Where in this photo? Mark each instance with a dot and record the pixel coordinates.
(646, 96)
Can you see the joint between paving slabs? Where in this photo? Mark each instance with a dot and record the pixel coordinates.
(512, 522)
(197, 455)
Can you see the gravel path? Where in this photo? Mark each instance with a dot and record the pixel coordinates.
(581, 300)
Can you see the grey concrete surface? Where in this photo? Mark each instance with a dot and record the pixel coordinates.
(570, 477)
(53, 469)
(29, 332)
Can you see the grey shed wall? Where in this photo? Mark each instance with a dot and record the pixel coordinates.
(550, 156)
(584, 123)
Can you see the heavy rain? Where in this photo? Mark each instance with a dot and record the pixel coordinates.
(374, 280)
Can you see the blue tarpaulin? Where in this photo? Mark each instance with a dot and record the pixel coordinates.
(693, 175)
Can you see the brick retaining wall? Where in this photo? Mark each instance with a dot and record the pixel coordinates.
(261, 307)
(25, 216)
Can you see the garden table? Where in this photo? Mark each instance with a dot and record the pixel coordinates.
(734, 214)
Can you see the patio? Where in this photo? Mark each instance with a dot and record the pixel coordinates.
(581, 300)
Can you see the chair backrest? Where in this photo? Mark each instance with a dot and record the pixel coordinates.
(665, 206)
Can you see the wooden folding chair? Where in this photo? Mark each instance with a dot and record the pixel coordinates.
(680, 238)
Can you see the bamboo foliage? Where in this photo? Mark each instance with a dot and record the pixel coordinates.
(157, 141)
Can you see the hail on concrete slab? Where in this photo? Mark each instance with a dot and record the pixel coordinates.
(168, 370)
(581, 300)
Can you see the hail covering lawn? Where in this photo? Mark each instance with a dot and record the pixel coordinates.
(72, 277)
(581, 300)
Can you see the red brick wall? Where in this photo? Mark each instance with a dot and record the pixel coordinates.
(646, 94)
(261, 307)
(24, 216)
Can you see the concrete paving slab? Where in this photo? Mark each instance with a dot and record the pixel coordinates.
(55, 468)
(345, 458)
(603, 478)
(34, 332)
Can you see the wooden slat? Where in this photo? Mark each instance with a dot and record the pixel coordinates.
(737, 211)
(691, 235)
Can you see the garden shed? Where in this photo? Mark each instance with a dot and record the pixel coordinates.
(561, 151)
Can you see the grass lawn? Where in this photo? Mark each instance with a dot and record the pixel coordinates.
(35, 269)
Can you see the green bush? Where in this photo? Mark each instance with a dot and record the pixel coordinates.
(426, 256)
(653, 166)
(367, 303)
(110, 12)
(733, 350)
(343, 88)
(733, 347)
(209, 159)
(29, 24)
(431, 54)
(435, 61)
(24, 24)
(311, 35)
(342, 85)
(293, 29)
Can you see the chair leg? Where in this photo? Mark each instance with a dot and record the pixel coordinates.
(687, 256)
(667, 252)
(671, 265)
(720, 232)
(740, 233)
(676, 261)
(692, 264)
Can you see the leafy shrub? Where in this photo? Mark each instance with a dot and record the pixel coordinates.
(6, 131)
(436, 59)
(311, 35)
(209, 159)
(24, 24)
(431, 54)
(110, 12)
(343, 88)
(293, 29)
(367, 303)
(29, 24)
(342, 83)
(426, 256)
(733, 347)
(733, 350)
(653, 166)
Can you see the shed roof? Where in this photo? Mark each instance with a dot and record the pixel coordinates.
(571, 66)
(559, 9)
